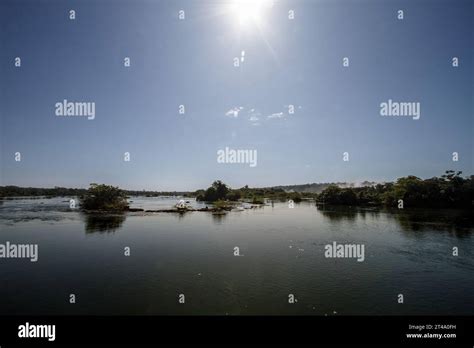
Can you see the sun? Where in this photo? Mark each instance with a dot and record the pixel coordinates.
(247, 12)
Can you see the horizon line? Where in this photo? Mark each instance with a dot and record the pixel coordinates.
(252, 187)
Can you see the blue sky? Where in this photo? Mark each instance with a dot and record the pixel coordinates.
(190, 62)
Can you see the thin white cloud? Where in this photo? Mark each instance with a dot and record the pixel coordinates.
(234, 112)
(253, 118)
(276, 115)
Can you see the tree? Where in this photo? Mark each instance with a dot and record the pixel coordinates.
(104, 197)
(217, 191)
(221, 189)
(330, 194)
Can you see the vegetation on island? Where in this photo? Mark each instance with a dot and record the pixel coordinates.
(104, 197)
(450, 190)
(219, 191)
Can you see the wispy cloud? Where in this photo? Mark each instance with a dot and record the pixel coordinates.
(253, 118)
(276, 115)
(234, 112)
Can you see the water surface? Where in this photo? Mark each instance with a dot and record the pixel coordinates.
(408, 252)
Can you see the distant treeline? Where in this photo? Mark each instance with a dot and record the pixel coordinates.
(15, 191)
(450, 190)
(317, 187)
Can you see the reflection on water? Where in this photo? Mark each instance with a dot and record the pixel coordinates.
(460, 222)
(103, 222)
(337, 214)
(408, 251)
(218, 218)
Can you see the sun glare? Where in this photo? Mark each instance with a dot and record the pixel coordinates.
(248, 11)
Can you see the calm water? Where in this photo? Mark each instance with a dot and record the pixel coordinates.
(192, 254)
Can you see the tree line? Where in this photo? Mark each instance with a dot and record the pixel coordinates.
(450, 190)
(16, 191)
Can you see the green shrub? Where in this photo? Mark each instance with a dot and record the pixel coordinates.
(104, 197)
